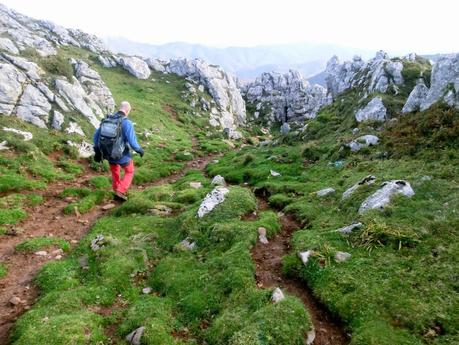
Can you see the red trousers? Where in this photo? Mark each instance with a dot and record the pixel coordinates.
(122, 184)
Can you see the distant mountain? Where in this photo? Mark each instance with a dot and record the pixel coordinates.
(245, 62)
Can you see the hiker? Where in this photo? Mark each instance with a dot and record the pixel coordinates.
(112, 141)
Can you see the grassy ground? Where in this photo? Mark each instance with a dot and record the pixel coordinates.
(207, 294)
(400, 285)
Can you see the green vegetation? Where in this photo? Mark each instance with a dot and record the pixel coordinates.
(37, 243)
(3, 270)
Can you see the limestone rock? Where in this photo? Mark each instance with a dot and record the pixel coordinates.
(27, 135)
(187, 244)
(374, 111)
(348, 229)
(212, 199)
(285, 128)
(310, 337)
(76, 96)
(379, 74)
(368, 180)
(156, 65)
(363, 141)
(136, 66)
(4, 145)
(41, 253)
(33, 107)
(383, 195)
(85, 149)
(106, 61)
(262, 235)
(221, 86)
(416, 98)
(11, 87)
(342, 256)
(304, 256)
(285, 97)
(30, 68)
(218, 180)
(98, 242)
(274, 173)
(7, 45)
(58, 120)
(147, 290)
(74, 128)
(444, 82)
(324, 192)
(96, 89)
(277, 295)
(134, 338)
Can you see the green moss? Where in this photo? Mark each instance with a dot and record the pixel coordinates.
(3, 270)
(12, 216)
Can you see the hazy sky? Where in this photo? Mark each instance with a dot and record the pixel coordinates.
(393, 25)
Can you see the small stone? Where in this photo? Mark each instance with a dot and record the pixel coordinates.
(108, 207)
(311, 336)
(218, 180)
(304, 256)
(348, 229)
(342, 256)
(58, 257)
(278, 295)
(41, 253)
(274, 173)
(195, 185)
(186, 244)
(146, 290)
(57, 252)
(324, 192)
(135, 336)
(262, 235)
(15, 300)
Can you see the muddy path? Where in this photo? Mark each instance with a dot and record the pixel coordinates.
(268, 262)
(17, 290)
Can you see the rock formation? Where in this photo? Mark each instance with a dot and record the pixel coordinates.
(285, 97)
(382, 196)
(373, 111)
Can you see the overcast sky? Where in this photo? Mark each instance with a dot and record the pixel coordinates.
(393, 25)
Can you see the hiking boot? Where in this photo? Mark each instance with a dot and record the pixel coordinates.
(121, 196)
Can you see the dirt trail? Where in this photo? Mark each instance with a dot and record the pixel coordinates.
(268, 260)
(45, 220)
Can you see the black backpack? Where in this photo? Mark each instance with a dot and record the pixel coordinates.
(111, 142)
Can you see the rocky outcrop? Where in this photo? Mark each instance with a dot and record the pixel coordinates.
(379, 74)
(12, 82)
(78, 99)
(373, 111)
(416, 97)
(382, 196)
(444, 86)
(230, 111)
(96, 89)
(362, 142)
(214, 198)
(136, 66)
(285, 97)
(33, 107)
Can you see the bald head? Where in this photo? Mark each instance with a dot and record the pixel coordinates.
(125, 107)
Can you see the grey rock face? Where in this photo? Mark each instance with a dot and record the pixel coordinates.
(374, 111)
(444, 84)
(106, 61)
(285, 128)
(75, 96)
(31, 69)
(136, 66)
(363, 141)
(220, 85)
(58, 120)
(286, 97)
(135, 336)
(377, 75)
(11, 86)
(7, 45)
(382, 196)
(416, 98)
(370, 179)
(324, 192)
(156, 65)
(33, 107)
(94, 86)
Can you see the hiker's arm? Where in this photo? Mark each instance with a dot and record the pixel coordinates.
(129, 134)
(98, 154)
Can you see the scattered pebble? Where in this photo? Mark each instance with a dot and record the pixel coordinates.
(15, 300)
(108, 207)
(274, 173)
(311, 336)
(58, 257)
(41, 253)
(304, 256)
(135, 336)
(146, 290)
(342, 256)
(262, 235)
(57, 252)
(195, 185)
(278, 295)
(324, 192)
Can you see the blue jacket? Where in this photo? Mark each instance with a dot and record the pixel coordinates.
(129, 138)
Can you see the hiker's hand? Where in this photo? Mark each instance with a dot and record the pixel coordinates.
(141, 152)
(98, 157)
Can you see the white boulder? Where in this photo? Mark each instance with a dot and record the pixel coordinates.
(363, 141)
(136, 66)
(324, 192)
(27, 135)
(212, 199)
(373, 111)
(382, 196)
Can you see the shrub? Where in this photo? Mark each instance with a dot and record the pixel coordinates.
(57, 65)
